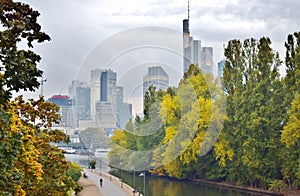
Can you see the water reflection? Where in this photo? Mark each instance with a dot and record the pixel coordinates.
(160, 186)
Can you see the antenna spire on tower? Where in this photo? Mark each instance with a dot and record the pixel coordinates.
(188, 10)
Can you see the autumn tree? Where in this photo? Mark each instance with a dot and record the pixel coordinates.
(191, 116)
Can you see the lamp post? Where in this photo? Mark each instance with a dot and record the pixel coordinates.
(100, 165)
(133, 181)
(121, 174)
(144, 174)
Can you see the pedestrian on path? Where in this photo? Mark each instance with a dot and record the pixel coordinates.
(101, 181)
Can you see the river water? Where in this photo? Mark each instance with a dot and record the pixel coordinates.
(159, 186)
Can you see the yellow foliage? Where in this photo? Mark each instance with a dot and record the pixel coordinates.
(170, 132)
(291, 132)
(223, 151)
(205, 111)
(119, 138)
(169, 107)
(26, 161)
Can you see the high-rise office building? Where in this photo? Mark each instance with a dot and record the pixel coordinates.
(80, 93)
(119, 102)
(65, 110)
(105, 116)
(207, 60)
(95, 90)
(123, 110)
(157, 77)
(108, 100)
(72, 88)
(125, 114)
(221, 66)
(197, 52)
(82, 102)
(108, 83)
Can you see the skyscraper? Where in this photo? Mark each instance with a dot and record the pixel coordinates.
(157, 77)
(65, 110)
(125, 114)
(82, 102)
(72, 88)
(108, 83)
(105, 116)
(187, 43)
(197, 52)
(221, 66)
(207, 60)
(119, 102)
(95, 90)
(80, 93)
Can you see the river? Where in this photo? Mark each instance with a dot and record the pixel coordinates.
(160, 186)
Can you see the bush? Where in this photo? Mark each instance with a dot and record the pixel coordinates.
(92, 164)
(74, 171)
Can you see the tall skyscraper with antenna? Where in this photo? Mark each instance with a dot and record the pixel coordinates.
(187, 42)
(193, 53)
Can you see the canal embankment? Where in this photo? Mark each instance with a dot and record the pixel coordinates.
(239, 188)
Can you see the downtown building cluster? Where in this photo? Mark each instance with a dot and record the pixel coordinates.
(99, 104)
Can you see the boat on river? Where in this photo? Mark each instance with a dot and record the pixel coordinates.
(68, 150)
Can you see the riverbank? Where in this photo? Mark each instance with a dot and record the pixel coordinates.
(248, 189)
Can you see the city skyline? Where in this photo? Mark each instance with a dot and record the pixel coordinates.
(76, 27)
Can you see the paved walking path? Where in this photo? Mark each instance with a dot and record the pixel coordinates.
(110, 186)
(89, 188)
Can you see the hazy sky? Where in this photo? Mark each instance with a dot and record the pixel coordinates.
(76, 27)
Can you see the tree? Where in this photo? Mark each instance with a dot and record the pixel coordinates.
(93, 138)
(292, 46)
(190, 125)
(39, 116)
(18, 66)
(290, 134)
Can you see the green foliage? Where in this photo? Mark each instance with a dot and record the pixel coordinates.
(292, 46)
(18, 66)
(252, 130)
(92, 164)
(277, 185)
(74, 171)
(93, 138)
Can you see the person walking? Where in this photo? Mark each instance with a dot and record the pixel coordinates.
(101, 181)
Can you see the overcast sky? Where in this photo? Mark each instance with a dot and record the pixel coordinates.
(76, 27)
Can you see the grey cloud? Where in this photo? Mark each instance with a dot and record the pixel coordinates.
(77, 26)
